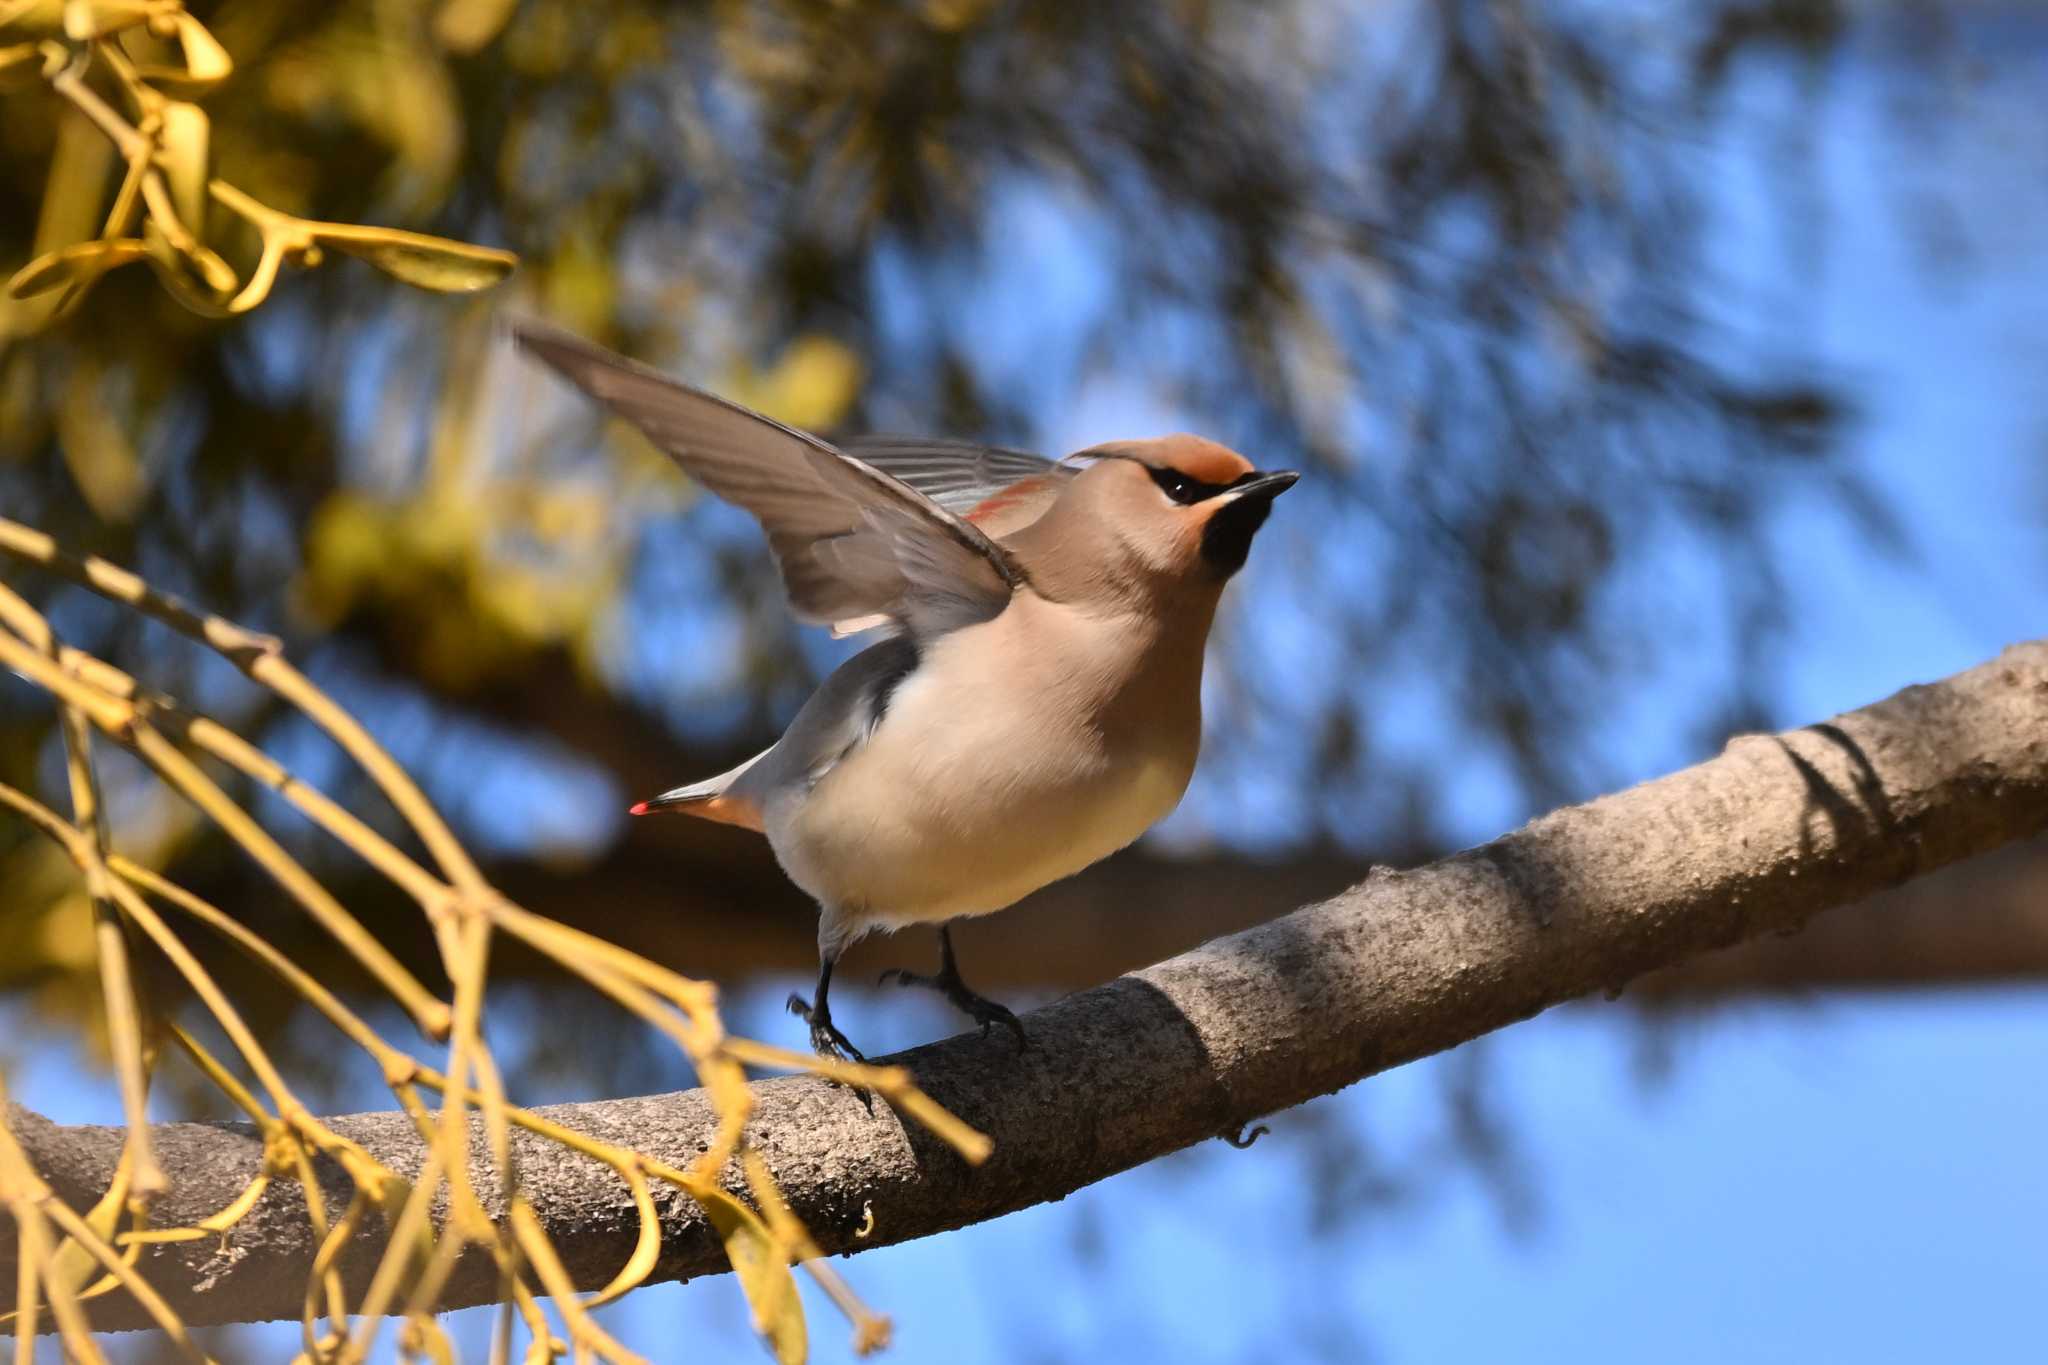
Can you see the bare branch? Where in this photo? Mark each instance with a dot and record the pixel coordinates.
(1753, 842)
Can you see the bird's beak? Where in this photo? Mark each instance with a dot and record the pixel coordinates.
(1265, 487)
(1240, 512)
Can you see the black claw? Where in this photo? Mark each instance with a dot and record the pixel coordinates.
(979, 1008)
(992, 1013)
(826, 1039)
(947, 982)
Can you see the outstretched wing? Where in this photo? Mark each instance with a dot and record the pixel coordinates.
(999, 490)
(957, 475)
(852, 541)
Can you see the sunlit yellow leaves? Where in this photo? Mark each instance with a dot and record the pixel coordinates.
(485, 575)
(406, 94)
(582, 283)
(24, 419)
(436, 263)
(380, 77)
(463, 26)
(183, 143)
(73, 1267)
(646, 1247)
(97, 447)
(763, 1273)
(207, 63)
(543, 43)
(35, 17)
(194, 273)
(79, 266)
(169, 154)
(347, 551)
(51, 939)
(811, 386)
(86, 19)
(72, 194)
(952, 16)
(202, 280)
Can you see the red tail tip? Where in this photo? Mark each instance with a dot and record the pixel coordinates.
(639, 808)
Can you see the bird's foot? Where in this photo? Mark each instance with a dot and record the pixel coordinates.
(826, 1039)
(979, 1008)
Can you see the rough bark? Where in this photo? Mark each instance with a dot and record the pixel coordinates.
(1404, 964)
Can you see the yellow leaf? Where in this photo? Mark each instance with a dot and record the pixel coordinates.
(79, 265)
(63, 940)
(811, 386)
(73, 1264)
(428, 262)
(422, 1336)
(176, 269)
(186, 142)
(763, 1274)
(582, 281)
(347, 547)
(32, 16)
(84, 19)
(406, 95)
(463, 26)
(72, 196)
(952, 16)
(18, 55)
(264, 276)
(206, 61)
(96, 447)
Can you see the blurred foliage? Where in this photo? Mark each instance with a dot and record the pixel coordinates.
(1443, 253)
(151, 52)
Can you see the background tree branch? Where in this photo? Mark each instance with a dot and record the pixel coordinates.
(1404, 964)
(715, 903)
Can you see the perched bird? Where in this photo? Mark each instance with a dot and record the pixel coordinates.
(1035, 703)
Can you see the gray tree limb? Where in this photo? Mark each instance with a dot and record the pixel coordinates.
(1753, 842)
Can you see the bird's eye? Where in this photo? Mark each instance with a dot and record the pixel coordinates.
(1179, 486)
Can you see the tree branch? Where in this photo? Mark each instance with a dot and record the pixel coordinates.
(1753, 842)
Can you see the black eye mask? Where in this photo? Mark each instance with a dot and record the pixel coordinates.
(1187, 491)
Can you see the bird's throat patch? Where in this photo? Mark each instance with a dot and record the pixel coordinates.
(1227, 537)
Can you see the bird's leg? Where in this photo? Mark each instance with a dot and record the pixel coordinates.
(979, 1008)
(826, 1038)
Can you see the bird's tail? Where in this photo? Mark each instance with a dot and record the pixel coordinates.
(711, 799)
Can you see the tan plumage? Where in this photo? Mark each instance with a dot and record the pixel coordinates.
(1036, 704)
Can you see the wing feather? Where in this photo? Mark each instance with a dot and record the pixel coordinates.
(851, 540)
(957, 475)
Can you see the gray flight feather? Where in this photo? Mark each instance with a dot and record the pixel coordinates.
(851, 540)
(957, 475)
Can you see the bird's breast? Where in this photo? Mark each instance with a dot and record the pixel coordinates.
(1014, 755)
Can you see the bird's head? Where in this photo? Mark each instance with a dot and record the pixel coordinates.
(1183, 508)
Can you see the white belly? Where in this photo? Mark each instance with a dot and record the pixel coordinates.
(974, 792)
